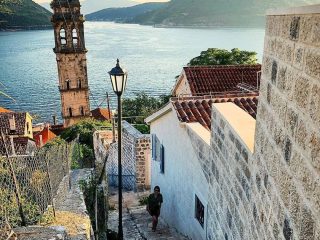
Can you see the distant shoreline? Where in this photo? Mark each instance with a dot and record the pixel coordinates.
(25, 28)
(184, 26)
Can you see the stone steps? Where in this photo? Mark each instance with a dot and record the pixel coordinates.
(137, 226)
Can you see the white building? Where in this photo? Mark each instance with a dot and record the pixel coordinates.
(181, 136)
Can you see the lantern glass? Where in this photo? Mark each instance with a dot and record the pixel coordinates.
(118, 78)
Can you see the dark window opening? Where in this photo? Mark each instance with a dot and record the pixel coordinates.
(82, 111)
(161, 159)
(63, 38)
(79, 83)
(199, 211)
(68, 84)
(70, 112)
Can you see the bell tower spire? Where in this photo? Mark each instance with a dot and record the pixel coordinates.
(71, 59)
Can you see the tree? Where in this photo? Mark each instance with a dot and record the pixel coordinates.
(142, 106)
(215, 56)
(135, 110)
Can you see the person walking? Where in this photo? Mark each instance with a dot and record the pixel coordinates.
(154, 205)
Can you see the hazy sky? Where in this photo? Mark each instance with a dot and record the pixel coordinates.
(139, 1)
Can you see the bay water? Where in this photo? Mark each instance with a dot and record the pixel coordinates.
(152, 56)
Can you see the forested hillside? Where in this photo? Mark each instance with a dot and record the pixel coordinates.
(124, 14)
(23, 14)
(243, 13)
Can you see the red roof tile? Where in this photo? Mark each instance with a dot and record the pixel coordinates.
(101, 114)
(212, 79)
(57, 129)
(4, 110)
(198, 109)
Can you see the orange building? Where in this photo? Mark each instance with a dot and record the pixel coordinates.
(3, 110)
(43, 136)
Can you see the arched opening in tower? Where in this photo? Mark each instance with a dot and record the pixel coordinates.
(70, 112)
(63, 39)
(82, 111)
(68, 84)
(75, 38)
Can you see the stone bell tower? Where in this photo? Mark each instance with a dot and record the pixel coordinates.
(70, 53)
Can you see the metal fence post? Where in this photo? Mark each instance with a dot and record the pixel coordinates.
(50, 186)
(16, 186)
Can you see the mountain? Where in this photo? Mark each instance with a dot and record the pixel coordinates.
(125, 14)
(90, 6)
(23, 14)
(243, 13)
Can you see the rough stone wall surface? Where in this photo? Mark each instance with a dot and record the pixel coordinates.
(101, 147)
(273, 193)
(232, 204)
(141, 148)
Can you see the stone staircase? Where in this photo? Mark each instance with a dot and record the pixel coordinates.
(137, 225)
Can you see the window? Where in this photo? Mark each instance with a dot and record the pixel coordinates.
(199, 211)
(153, 138)
(67, 84)
(12, 124)
(63, 38)
(79, 83)
(70, 112)
(75, 38)
(28, 128)
(82, 111)
(161, 159)
(155, 148)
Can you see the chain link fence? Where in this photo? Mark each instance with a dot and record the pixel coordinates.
(29, 183)
(128, 166)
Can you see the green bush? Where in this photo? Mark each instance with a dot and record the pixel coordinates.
(143, 128)
(84, 129)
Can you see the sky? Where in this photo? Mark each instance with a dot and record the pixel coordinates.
(89, 6)
(138, 1)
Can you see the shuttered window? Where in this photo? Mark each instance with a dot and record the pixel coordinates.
(162, 159)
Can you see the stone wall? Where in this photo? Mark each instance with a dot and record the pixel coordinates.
(274, 193)
(232, 196)
(136, 147)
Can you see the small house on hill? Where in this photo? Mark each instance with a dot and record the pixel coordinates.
(208, 80)
(17, 131)
(16, 124)
(43, 136)
(101, 114)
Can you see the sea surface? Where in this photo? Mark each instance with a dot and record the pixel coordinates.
(152, 56)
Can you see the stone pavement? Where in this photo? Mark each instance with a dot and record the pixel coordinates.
(137, 222)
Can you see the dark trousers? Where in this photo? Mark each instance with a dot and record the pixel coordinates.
(155, 213)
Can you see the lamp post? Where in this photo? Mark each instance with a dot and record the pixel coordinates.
(118, 78)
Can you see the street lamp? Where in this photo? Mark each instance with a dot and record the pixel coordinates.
(118, 78)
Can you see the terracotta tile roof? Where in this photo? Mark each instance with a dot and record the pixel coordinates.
(198, 109)
(19, 120)
(212, 79)
(57, 129)
(4, 110)
(101, 114)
